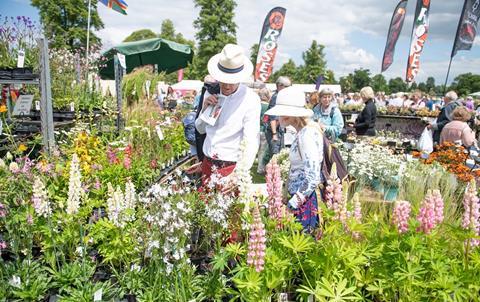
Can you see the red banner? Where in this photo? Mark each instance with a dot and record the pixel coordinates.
(419, 36)
(272, 28)
(396, 26)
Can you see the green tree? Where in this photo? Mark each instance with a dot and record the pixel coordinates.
(288, 69)
(361, 78)
(215, 28)
(254, 53)
(346, 83)
(466, 83)
(65, 22)
(139, 35)
(314, 63)
(167, 30)
(430, 84)
(379, 83)
(329, 77)
(422, 87)
(397, 85)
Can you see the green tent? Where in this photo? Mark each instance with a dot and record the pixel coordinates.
(167, 55)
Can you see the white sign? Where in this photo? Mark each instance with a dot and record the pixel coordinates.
(23, 105)
(72, 106)
(1, 127)
(159, 132)
(21, 59)
(211, 114)
(37, 105)
(121, 59)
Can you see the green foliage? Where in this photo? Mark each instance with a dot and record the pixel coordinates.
(397, 85)
(288, 69)
(254, 53)
(134, 84)
(465, 84)
(215, 28)
(141, 34)
(314, 63)
(379, 83)
(65, 22)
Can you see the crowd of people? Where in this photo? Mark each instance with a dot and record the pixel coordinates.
(288, 117)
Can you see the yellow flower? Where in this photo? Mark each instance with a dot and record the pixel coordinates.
(3, 108)
(22, 148)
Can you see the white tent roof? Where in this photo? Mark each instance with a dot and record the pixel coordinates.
(308, 88)
(188, 85)
(477, 94)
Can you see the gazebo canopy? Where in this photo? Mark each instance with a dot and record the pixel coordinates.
(167, 55)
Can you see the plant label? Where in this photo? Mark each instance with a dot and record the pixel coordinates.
(72, 106)
(1, 127)
(97, 296)
(37, 105)
(21, 59)
(23, 105)
(159, 132)
(121, 60)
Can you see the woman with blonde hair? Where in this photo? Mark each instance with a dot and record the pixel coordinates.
(365, 122)
(458, 130)
(306, 155)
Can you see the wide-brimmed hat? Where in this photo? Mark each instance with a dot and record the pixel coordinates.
(231, 66)
(290, 102)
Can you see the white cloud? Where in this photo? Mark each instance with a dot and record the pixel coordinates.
(333, 23)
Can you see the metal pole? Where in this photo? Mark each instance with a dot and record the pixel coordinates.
(118, 87)
(446, 79)
(88, 32)
(46, 108)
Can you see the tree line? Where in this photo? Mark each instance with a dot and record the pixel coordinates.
(65, 23)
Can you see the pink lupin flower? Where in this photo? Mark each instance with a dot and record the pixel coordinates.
(471, 215)
(276, 208)
(438, 200)
(3, 245)
(334, 198)
(112, 156)
(127, 159)
(429, 216)
(401, 214)
(256, 242)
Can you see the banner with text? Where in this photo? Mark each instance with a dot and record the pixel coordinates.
(419, 36)
(467, 26)
(267, 49)
(396, 26)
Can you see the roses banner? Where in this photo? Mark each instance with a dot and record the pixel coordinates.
(467, 26)
(419, 36)
(396, 26)
(272, 28)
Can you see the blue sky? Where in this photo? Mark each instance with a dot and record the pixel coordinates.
(353, 31)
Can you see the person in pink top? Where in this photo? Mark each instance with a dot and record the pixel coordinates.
(458, 130)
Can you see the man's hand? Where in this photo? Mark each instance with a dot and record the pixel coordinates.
(211, 100)
(194, 169)
(275, 137)
(429, 126)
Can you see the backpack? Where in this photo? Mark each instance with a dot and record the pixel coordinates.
(331, 157)
(189, 127)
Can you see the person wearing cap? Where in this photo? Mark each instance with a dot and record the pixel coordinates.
(273, 133)
(365, 122)
(306, 155)
(238, 119)
(328, 115)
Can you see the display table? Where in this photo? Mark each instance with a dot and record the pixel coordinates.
(409, 126)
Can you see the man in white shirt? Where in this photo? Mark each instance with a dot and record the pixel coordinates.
(239, 116)
(398, 101)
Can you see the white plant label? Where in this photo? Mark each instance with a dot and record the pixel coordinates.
(159, 132)
(72, 106)
(37, 105)
(97, 296)
(23, 105)
(21, 59)
(1, 127)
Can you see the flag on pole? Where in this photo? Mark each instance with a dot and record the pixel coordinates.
(396, 26)
(467, 26)
(419, 36)
(117, 5)
(267, 48)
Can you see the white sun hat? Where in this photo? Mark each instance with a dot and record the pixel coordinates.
(231, 66)
(290, 102)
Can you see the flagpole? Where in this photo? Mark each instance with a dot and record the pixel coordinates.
(88, 33)
(448, 73)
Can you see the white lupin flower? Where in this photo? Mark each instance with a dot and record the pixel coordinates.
(244, 179)
(40, 199)
(74, 186)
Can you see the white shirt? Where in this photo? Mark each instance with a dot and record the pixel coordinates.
(397, 102)
(239, 120)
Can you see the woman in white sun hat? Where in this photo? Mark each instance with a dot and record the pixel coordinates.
(306, 155)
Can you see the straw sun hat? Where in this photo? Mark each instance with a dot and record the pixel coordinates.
(231, 66)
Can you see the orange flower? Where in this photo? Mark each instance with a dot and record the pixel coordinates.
(3, 108)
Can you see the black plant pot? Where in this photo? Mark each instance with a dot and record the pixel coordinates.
(130, 297)
(101, 275)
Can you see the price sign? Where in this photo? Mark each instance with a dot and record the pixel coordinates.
(23, 105)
